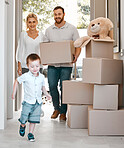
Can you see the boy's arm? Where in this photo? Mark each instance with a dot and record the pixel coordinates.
(14, 89)
(46, 93)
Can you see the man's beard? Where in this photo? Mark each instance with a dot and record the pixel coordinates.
(60, 20)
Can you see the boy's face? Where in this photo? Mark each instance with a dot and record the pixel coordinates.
(34, 66)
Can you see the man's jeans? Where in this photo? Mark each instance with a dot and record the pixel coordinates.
(54, 75)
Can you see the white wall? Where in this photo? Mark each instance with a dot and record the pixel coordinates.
(3, 65)
(6, 61)
(10, 57)
(18, 29)
(122, 24)
(121, 55)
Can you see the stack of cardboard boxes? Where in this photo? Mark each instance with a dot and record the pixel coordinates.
(94, 101)
(101, 86)
(78, 96)
(75, 92)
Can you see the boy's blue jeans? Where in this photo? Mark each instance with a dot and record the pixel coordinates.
(30, 113)
(54, 75)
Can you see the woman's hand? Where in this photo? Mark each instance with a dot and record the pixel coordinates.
(13, 96)
(19, 69)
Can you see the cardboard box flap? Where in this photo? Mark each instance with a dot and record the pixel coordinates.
(96, 40)
(102, 40)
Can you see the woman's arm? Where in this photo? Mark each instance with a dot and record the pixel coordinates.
(20, 52)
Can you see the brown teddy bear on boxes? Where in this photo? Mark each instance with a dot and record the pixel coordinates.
(99, 28)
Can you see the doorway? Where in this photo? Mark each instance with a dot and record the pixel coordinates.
(77, 12)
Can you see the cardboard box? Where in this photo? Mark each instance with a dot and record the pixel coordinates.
(102, 71)
(105, 97)
(100, 48)
(77, 92)
(103, 122)
(120, 100)
(57, 52)
(77, 116)
(121, 92)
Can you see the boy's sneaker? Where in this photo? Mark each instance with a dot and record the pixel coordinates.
(22, 131)
(31, 137)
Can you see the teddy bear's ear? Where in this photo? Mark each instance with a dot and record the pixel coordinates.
(110, 24)
(110, 27)
(110, 34)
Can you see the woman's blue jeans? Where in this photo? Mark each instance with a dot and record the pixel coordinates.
(56, 74)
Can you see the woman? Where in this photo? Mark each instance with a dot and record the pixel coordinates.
(29, 42)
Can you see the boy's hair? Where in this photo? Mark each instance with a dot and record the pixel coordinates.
(32, 57)
(59, 7)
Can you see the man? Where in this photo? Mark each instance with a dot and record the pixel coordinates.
(59, 31)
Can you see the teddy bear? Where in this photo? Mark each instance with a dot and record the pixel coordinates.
(99, 28)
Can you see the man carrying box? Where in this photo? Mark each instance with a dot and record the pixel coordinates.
(60, 31)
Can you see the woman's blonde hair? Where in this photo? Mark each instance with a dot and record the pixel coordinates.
(31, 15)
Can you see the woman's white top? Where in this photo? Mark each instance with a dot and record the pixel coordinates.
(27, 45)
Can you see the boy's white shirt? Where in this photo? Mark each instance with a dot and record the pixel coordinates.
(32, 87)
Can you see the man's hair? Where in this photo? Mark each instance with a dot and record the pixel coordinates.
(32, 57)
(59, 7)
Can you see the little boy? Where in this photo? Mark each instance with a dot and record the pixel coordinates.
(34, 85)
